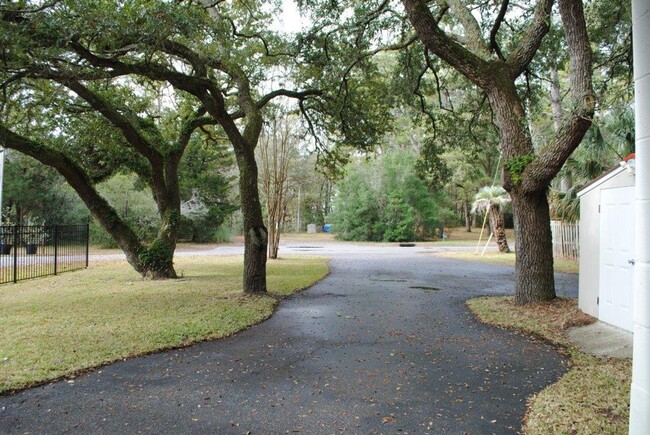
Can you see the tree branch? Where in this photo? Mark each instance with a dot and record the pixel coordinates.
(551, 158)
(494, 45)
(467, 63)
(191, 123)
(392, 47)
(184, 52)
(532, 38)
(129, 131)
(297, 95)
(472, 29)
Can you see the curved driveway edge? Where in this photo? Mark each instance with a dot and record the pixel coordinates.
(379, 346)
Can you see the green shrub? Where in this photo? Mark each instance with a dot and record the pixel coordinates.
(222, 235)
(99, 237)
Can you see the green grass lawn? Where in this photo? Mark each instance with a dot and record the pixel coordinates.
(58, 326)
(560, 264)
(592, 397)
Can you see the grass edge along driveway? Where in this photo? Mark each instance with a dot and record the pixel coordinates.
(60, 326)
(592, 397)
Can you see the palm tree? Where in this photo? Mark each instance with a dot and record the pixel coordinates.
(493, 200)
(609, 140)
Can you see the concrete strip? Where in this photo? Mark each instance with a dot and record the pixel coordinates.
(602, 340)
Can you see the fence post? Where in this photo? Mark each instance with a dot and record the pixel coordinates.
(15, 254)
(56, 246)
(68, 244)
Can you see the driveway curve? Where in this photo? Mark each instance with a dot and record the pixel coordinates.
(382, 345)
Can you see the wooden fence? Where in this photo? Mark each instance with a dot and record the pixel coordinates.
(566, 241)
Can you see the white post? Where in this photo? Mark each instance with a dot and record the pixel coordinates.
(640, 395)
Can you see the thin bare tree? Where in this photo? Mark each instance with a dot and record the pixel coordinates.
(277, 148)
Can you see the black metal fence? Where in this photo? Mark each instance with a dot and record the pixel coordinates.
(31, 251)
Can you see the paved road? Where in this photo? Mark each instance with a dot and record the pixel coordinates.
(379, 346)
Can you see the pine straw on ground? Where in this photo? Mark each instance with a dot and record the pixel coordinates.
(592, 397)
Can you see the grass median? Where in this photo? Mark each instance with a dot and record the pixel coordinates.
(58, 326)
(559, 264)
(592, 397)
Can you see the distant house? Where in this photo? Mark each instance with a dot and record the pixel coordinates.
(606, 288)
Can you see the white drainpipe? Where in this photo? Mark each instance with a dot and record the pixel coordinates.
(640, 395)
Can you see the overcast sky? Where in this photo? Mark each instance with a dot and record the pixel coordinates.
(289, 20)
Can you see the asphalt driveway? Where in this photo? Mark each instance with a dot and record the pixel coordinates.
(383, 345)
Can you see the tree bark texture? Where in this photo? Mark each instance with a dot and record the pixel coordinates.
(534, 277)
(255, 233)
(556, 99)
(497, 222)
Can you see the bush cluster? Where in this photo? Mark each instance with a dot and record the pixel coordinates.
(384, 200)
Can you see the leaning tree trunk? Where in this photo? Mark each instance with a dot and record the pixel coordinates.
(497, 220)
(255, 233)
(534, 254)
(100, 209)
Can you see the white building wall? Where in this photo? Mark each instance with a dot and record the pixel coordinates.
(589, 266)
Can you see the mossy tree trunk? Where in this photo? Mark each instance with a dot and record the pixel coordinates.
(534, 249)
(527, 174)
(160, 173)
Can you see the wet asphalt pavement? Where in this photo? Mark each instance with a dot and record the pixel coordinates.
(380, 346)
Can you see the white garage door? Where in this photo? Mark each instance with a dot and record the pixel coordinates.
(616, 281)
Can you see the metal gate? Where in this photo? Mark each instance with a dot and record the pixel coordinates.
(33, 251)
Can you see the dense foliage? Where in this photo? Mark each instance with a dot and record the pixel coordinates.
(36, 194)
(384, 200)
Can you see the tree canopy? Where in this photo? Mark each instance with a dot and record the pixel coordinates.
(148, 75)
(98, 87)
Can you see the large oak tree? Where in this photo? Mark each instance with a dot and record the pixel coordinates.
(475, 52)
(222, 62)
